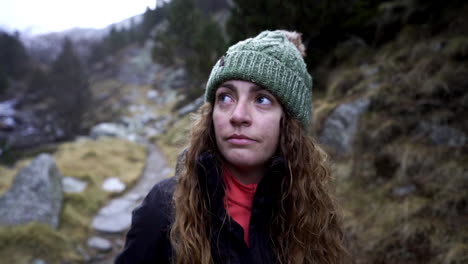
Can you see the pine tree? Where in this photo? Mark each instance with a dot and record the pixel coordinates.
(191, 40)
(13, 56)
(70, 90)
(3, 81)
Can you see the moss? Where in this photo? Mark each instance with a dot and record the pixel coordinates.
(21, 244)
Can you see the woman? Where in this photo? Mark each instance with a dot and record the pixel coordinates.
(252, 185)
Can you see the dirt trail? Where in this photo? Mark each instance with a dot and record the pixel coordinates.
(114, 219)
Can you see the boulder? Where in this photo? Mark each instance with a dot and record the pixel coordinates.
(443, 134)
(341, 126)
(35, 196)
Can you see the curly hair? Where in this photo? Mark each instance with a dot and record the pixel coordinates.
(306, 227)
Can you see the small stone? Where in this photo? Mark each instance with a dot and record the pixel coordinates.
(133, 196)
(368, 70)
(152, 94)
(73, 185)
(38, 261)
(166, 172)
(120, 242)
(83, 253)
(116, 217)
(100, 244)
(113, 185)
(404, 191)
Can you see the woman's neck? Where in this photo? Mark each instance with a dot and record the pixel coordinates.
(247, 175)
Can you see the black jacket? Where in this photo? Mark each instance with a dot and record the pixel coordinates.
(148, 238)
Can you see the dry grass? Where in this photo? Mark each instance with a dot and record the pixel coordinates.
(88, 160)
(425, 225)
(342, 83)
(420, 79)
(7, 174)
(94, 161)
(322, 109)
(174, 140)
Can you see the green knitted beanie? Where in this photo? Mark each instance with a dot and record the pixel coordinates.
(273, 62)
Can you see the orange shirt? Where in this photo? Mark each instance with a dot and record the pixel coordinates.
(238, 201)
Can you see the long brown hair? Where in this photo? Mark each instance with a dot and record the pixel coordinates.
(307, 225)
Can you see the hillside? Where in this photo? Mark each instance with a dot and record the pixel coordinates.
(391, 114)
(402, 165)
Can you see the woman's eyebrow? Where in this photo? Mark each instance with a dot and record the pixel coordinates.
(228, 86)
(256, 88)
(252, 88)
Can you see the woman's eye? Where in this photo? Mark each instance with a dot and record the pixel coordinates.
(224, 98)
(263, 100)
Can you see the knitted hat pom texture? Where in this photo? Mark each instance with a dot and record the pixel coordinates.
(274, 61)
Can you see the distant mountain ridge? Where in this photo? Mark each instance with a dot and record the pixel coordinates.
(46, 47)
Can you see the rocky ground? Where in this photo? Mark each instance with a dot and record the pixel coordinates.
(136, 103)
(114, 219)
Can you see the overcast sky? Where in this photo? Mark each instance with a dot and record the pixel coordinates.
(40, 16)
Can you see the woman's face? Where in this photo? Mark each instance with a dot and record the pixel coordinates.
(246, 121)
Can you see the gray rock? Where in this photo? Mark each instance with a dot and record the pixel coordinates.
(113, 185)
(138, 67)
(444, 135)
(192, 107)
(35, 196)
(134, 196)
(113, 130)
(38, 261)
(404, 191)
(99, 243)
(368, 70)
(152, 94)
(73, 185)
(83, 253)
(7, 108)
(340, 127)
(108, 129)
(7, 123)
(174, 79)
(115, 217)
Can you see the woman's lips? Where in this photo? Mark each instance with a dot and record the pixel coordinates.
(240, 140)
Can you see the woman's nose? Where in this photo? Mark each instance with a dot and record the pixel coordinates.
(241, 115)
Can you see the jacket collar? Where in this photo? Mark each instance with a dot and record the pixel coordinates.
(212, 185)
